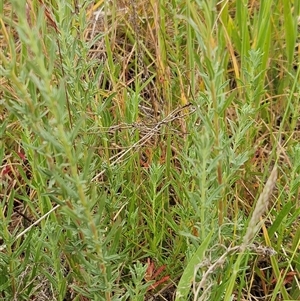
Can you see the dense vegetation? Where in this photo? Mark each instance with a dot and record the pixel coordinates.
(149, 150)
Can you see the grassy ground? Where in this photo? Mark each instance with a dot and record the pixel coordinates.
(149, 150)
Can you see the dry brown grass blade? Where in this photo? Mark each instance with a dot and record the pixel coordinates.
(49, 18)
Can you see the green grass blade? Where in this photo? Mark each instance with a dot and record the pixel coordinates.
(290, 30)
(187, 277)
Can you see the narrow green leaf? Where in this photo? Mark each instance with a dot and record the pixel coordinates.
(283, 213)
(188, 274)
(290, 32)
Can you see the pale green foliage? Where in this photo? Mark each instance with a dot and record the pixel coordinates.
(147, 132)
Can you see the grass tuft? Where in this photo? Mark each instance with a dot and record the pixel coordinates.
(149, 150)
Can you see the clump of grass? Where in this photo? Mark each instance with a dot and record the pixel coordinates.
(135, 140)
